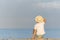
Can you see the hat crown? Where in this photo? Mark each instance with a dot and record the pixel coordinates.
(39, 19)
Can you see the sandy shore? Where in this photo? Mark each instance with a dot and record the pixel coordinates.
(44, 39)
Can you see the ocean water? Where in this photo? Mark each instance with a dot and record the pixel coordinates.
(27, 33)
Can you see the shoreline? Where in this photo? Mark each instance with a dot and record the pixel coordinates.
(28, 39)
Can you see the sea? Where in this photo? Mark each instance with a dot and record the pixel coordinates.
(27, 33)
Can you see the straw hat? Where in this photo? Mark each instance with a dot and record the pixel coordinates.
(39, 19)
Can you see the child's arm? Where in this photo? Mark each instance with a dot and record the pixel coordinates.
(34, 34)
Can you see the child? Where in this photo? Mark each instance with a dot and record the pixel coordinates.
(38, 31)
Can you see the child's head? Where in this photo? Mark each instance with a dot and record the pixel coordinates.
(39, 19)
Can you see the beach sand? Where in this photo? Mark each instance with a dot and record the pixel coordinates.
(44, 39)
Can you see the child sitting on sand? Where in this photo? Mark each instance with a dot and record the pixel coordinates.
(38, 31)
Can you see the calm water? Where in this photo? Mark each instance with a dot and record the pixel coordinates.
(27, 33)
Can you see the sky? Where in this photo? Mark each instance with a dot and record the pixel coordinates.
(20, 14)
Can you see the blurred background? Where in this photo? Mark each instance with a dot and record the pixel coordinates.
(17, 17)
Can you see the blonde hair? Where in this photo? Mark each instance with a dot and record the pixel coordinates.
(39, 19)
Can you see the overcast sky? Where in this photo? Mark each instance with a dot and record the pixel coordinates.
(21, 13)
